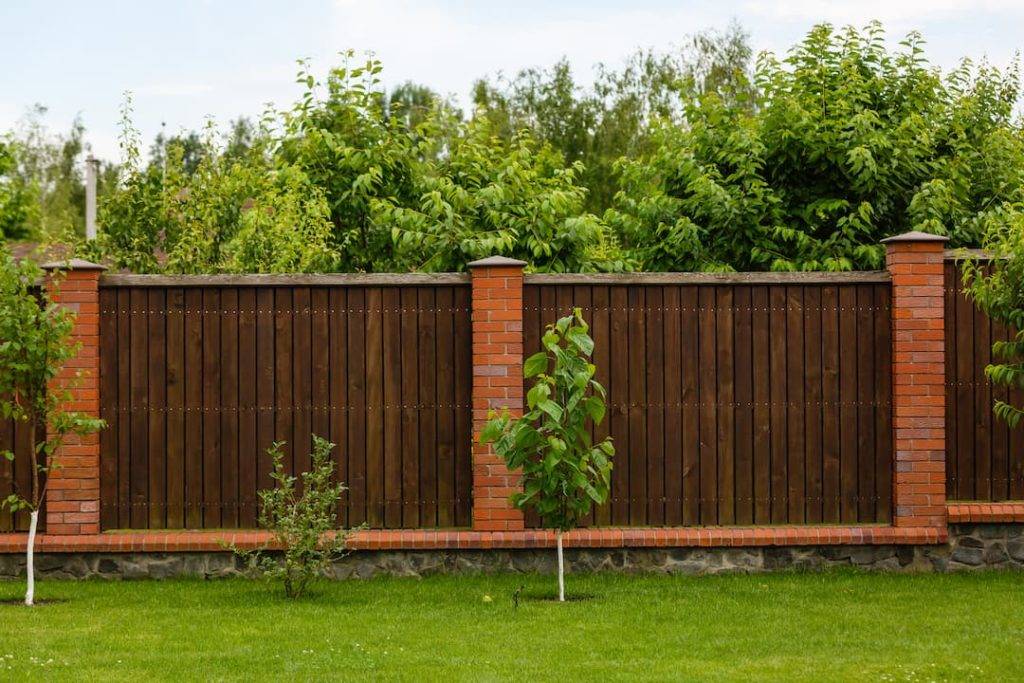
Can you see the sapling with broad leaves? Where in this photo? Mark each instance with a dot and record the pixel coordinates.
(564, 473)
(302, 514)
(35, 343)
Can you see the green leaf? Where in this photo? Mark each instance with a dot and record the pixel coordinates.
(535, 364)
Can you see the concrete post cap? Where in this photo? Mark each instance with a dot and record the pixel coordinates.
(915, 236)
(496, 261)
(72, 264)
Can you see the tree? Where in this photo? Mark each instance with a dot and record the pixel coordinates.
(34, 346)
(846, 143)
(563, 472)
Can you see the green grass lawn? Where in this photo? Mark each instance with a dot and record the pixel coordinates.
(827, 626)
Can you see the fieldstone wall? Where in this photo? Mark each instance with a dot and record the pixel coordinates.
(971, 546)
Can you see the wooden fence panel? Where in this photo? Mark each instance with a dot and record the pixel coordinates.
(199, 380)
(984, 457)
(740, 403)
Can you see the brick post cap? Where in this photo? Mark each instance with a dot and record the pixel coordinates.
(496, 261)
(73, 264)
(915, 236)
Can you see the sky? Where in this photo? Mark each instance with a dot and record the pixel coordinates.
(185, 60)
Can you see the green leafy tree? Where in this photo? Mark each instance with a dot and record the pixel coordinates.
(563, 472)
(34, 345)
(301, 513)
(847, 143)
(17, 200)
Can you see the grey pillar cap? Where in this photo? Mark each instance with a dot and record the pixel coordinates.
(496, 261)
(73, 264)
(915, 236)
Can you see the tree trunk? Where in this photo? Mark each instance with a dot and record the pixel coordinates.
(561, 568)
(30, 570)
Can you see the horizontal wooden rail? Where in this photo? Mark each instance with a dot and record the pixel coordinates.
(261, 280)
(799, 278)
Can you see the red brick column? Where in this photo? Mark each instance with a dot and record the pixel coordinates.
(73, 491)
(914, 260)
(497, 383)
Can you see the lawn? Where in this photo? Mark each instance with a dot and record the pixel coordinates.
(839, 625)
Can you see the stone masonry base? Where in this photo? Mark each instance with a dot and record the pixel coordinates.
(970, 546)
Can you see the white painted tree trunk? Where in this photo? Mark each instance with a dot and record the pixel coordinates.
(30, 569)
(561, 568)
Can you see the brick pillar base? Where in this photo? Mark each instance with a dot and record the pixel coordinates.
(915, 262)
(497, 383)
(73, 491)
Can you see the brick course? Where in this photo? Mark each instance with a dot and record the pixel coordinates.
(915, 262)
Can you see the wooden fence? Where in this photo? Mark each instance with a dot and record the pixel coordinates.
(737, 400)
(16, 476)
(200, 375)
(984, 457)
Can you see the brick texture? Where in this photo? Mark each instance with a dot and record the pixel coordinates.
(73, 491)
(919, 400)
(497, 383)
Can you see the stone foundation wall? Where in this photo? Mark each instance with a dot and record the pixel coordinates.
(971, 546)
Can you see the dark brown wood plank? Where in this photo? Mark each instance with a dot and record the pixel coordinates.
(248, 408)
(175, 408)
(139, 410)
(655, 400)
(965, 382)
(7, 473)
(410, 415)
(320, 390)
(831, 489)
(726, 362)
(338, 325)
(884, 466)
(812, 404)
(600, 328)
(23, 443)
(357, 406)
(637, 408)
(982, 437)
(865, 413)
(229, 453)
(445, 410)
(848, 343)
(266, 385)
(392, 369)
(157, 438)
(581, 297)
(427, 385)
(302, 379)
(744, 408)
(1000, 431)
(778, 351)
(193, 389)
(762, 413)
(463, 352)
(619, 404)
(109, 358)
(533, 328)
(949, 300)
(284, 399)
(796, 485)
(212, 503)
(672, 345)
(374, 407)
(689, 303)
(708, 378)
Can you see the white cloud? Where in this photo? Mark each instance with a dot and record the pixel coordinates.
(174, 89)
(858, 12)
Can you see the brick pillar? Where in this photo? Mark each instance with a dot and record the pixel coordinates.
(73, 491)
(915, 262)
(497, 383)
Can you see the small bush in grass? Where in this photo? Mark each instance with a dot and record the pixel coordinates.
(301, 512)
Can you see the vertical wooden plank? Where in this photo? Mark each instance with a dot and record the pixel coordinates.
(374, 407)
(600, 327)
(229, 455)
(321, 361)
(831, 490)
(778, 341)
(848, 343)
(812, 403)
(581, 297)
(445, 413)
(463, 417)
(637, 408)
(248, 408)
(965, 378)
(157, 438)
(211, 409)
(427, 414)
(865, 397)
(619, 403)
(709, 399)
(689, 304)
(982, 438)
(884, 466)
(410, 415)
(672, 344)
(176, 436)
(124, 445)
(726, 360)
(762, 397)
(284, 400)
(302, 379)
(655, 400)
(266, 386)
(193, 372)
(949, 299)
(392, 370)
(1000, 432)
(357, 405)
(108, 412)
(744, 408)
(7, 473)
(1015, 437)
(23, 470)
(139, 410)
(795, 404)
(338, 324)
